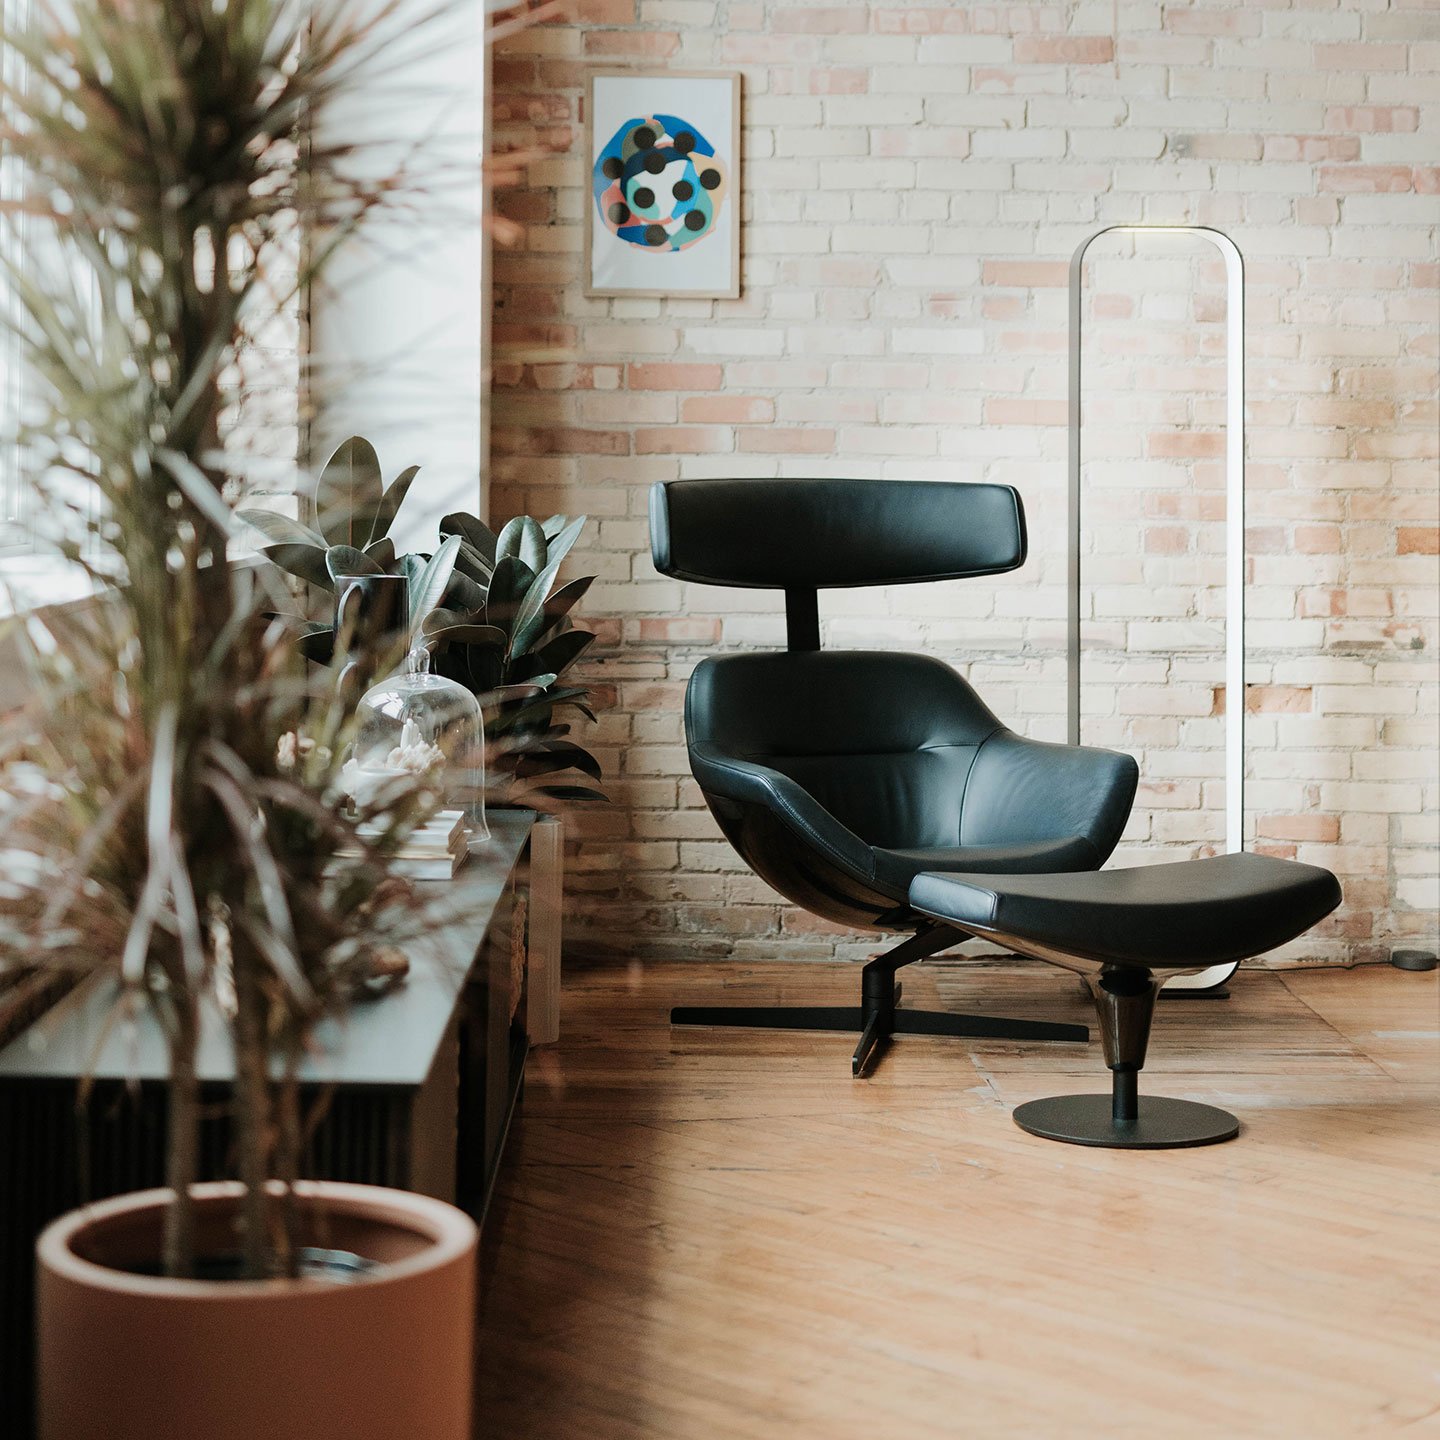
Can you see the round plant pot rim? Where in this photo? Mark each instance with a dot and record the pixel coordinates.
(451, 1233)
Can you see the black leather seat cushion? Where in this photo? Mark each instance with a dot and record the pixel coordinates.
(1194, 913)
(890, 764)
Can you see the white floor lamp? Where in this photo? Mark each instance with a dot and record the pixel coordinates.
(1216, 975)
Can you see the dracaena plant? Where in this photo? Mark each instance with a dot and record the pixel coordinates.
(168, 805)
(486, 605)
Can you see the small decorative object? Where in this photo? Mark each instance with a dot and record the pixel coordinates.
(421, 725)
(664, 152)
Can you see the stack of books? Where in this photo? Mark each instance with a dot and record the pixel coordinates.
(434, 851)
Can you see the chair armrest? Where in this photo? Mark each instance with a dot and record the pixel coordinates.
(748, 783)
(1023, 790)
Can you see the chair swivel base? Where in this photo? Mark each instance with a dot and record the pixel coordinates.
(875, 1027)
(876, 1018)
(1160, 1124)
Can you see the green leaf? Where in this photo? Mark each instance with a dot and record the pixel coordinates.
(428, 589)
(554, 525)
(571, 792)
(523, 538)
(280, 529)
(305, 561)
(474, 635)
(343, 560)
(472, 563)
(412, 567)
(464, 594)
(564, 599)
(538, 705)
(318, 645)
(530, 617)
(474, 532)
(348, 493)
(562, 544)
(508, 587)
(389, 505)
(382, 552)
(559, 654)
(562, 755)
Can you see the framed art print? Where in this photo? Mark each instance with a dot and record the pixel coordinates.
(664, 211)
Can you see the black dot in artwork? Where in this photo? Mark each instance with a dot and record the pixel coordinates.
(611, 168)
(654, 162)
(654, 234)
(619, 213)
(710, 179)
(683, 190)
(684, 142)
(643, 136)
(642, 198)
(694, 221)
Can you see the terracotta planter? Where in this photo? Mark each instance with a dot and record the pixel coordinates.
(128, 1356)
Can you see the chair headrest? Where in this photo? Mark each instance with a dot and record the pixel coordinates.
(828, 534)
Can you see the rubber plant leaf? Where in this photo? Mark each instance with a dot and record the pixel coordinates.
(561, 755)
(345, 560)
(428, 588)
(390, 501)
(559, 654)
(530, 617)
(305, 561)
(318, 645)
(564, 541)
(571, 792)
(522, 537)
(472, 563)
(382, 552)
(463, 593)
(348, 493)
(472, 531)
(553, 525)
(508, 587)
(467, 634)
(280, 529)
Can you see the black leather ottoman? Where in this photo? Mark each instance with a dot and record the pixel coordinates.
(1127, 931)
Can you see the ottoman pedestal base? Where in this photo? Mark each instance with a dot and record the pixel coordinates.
(1162, 1124)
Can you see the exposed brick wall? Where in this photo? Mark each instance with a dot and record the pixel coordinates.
(916, 177)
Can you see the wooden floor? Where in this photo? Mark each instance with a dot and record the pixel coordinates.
(720, 1234)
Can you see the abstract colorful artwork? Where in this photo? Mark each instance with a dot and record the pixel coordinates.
(664, 153)
(659, 183)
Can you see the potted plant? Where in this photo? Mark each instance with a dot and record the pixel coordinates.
(485, 604)
(172, 818)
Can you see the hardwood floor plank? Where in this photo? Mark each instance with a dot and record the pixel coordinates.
(720, 1234)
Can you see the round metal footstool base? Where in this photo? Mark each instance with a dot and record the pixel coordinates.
(1163, 1124)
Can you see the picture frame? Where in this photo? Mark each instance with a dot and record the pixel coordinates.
(662, 212)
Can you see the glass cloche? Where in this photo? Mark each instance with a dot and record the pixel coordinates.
(421, 724)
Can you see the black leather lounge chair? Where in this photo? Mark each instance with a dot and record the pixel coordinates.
(841, 776)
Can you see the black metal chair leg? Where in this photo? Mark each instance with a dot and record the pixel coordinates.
(986, 1027)
(772, 1017)
(872, 1037)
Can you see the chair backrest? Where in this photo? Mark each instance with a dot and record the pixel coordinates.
(801, 536)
